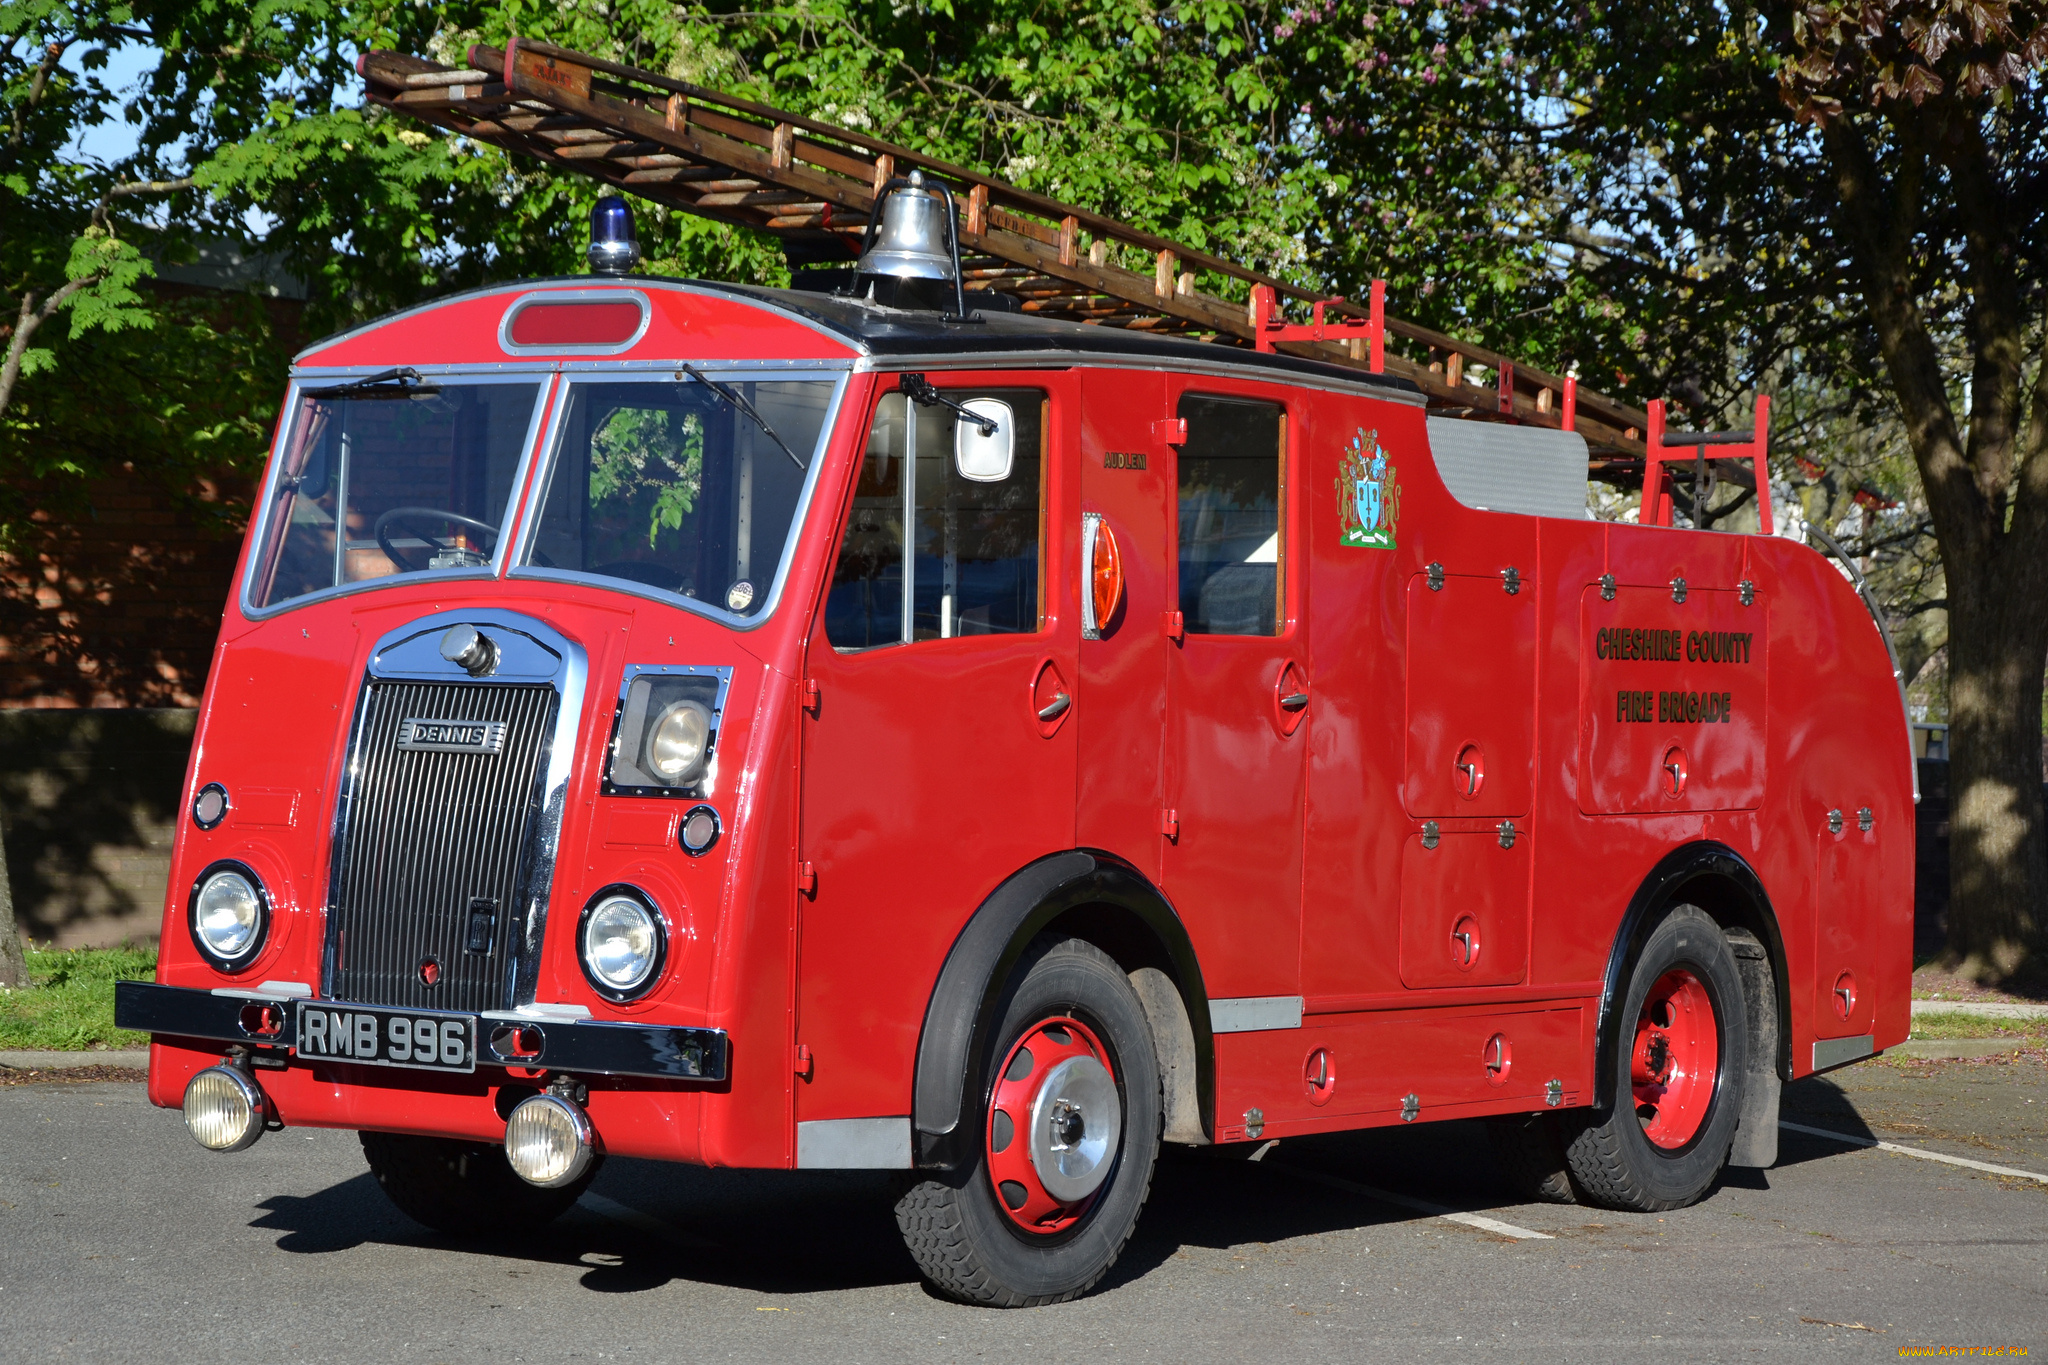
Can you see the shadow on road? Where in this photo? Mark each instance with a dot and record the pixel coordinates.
(782, 1232)
(1818, 1102)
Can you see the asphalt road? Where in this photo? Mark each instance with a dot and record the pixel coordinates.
(121, 1240)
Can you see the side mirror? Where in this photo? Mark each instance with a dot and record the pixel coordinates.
(979, 454)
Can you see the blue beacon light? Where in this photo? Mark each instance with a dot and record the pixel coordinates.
(613, 249)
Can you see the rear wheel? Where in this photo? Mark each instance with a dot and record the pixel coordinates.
(463, 1188)
(1069, 1132)
(1679, 1065)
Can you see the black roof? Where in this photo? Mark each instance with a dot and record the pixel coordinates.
(906, 331)
(881, 331)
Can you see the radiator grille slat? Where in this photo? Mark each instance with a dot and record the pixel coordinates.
(425, 833)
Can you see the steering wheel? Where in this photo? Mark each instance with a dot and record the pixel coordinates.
(399, 515)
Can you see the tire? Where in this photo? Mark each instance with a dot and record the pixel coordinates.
(1679, 1061)
(1015, 1229)
(463, 1188)
(1531, 1152)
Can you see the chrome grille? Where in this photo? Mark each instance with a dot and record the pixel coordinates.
(428, 837)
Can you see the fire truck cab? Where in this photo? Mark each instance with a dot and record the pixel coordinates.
(773, 729)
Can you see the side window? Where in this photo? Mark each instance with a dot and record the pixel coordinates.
(930, 553)
(1232, 486)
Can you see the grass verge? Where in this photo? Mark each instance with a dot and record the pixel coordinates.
(1946, 1026)
(69, 1004)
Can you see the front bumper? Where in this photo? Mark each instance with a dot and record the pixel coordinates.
(587, 1047)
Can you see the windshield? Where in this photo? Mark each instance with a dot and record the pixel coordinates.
(686, 486)
(378, 480)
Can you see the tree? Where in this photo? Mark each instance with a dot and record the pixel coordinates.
(1930, 119)
(1841, 200)
(13, 965)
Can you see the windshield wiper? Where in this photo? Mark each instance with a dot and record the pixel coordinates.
(400, 383)
(739, 400)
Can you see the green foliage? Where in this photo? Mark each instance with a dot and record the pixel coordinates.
(68, 1004)
(652, 456)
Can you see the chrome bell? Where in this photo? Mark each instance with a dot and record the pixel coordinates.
(913, 242)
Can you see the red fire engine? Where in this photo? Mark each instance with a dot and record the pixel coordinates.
(849, 729)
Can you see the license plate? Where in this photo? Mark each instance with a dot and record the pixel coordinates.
(373, 1036)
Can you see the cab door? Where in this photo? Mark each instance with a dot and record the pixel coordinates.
(938, 744)
(1239, 698)
(1126, 478)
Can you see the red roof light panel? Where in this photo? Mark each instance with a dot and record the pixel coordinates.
(576, 324)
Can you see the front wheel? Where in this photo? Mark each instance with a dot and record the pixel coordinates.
(1070, 1122)
(1679, 1065)
(463, 1188)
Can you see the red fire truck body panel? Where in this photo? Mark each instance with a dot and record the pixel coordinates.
(1407, 820)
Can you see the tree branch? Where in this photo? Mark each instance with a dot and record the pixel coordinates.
(99, 213)
(25, 327)
(37, 84)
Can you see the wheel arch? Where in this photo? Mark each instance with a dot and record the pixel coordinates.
(1089, 895)
(1719, 881)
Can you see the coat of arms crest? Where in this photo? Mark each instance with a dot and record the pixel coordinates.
(1368, 494)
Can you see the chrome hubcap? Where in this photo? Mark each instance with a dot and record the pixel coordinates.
(1075, 1123)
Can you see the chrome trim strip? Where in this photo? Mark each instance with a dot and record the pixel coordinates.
(638, 298)
(565, 282)
(1254, 1013)
(853, 1144)
(573, 366)
(1097, 360)
(526, 1013)
(550, 444)
(1829, 1053)
(259, 523)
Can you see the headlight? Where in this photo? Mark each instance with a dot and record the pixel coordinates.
(675, 743)
(230, 915)
(665, 731)
(622, 943)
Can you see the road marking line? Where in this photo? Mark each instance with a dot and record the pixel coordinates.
(644, 1222)
(1920, 1152)
(1470, 1220)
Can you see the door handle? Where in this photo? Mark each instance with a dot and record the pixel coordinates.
(1055, 708)
(1294, 701)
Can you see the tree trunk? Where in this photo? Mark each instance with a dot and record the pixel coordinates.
(1987, 493)
(1998, 857)
(13, 965)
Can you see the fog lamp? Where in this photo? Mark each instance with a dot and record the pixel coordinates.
(225, 1110)
(229, 915)
(548, 1141)
(622, 943)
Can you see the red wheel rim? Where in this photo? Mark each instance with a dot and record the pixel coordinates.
(1054, 1122)
(1676, 1059)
